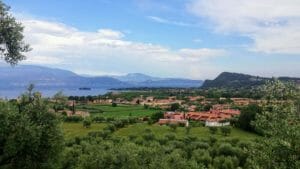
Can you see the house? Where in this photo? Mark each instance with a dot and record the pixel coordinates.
(195, 98)
(242, 101)
(216, 124)
(174, 115)
(173, 118)
(173, 121)
(78, 113)
(221, 106)
(192, 108)
(149, 99)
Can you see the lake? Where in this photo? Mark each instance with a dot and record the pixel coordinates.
(14, 93)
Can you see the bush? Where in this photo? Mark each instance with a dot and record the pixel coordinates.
(156, 116)
(226, 130)
(114, 105)
(110, 119)
(98, 119)
(173, 126)
(132, 120)
(110, 127)
(148, 136)
(87, 123)
(213, 130)
(73, 119)
(170, 136)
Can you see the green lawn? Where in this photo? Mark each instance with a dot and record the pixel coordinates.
(121, 111)
(72, 130)
(200, 132)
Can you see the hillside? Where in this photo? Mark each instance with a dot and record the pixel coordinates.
(238, 80)
(44, 77)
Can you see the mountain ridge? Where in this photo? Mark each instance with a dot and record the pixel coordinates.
(23, 75)
(239, 80)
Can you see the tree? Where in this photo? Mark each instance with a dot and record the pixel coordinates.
(279, 123)
(174, 106)
(87, 123)
(156, 116)
(226, 130)
(248, 115)
(12, 45)
(60, 101)
(213, 130)
(114, 105)
(30, 138)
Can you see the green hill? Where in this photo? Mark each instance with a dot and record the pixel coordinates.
(239, 80)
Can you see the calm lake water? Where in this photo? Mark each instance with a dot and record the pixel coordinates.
(14, 93)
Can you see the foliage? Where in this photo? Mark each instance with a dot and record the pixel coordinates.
(30, 134)
(114, 105)
(173, 126)
(12, 45)
(279, 124)
(156, 116)
(174, 106)
(87, 122)
(247, 116)
(60, 101)
(225, 130)
(213, 130)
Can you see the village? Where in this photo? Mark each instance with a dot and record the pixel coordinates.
(210, 111)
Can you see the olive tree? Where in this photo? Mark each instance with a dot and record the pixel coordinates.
(12, 45)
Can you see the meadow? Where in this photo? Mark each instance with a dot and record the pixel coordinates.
(72, 130)
(118, 112)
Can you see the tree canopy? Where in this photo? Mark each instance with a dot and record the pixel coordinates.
(12, 45)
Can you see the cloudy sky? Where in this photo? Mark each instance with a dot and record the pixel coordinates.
(195, 39)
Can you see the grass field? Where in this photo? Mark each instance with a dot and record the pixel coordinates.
(72, 130)
(200, 132)
(121, 111)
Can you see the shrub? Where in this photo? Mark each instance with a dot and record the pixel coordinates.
(114, 105)
(213, 130)
(156, 116)
(173, 126)
(132, 120)
(170, 136)
(73, 119)
(98, 119)
(110, 127)
(226, 130)
(226, 149)
(148, 136)
(132, 137)
(212, 140)
(87, 123)
(110, 119)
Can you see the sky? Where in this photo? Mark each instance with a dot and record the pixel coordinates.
(195, 39)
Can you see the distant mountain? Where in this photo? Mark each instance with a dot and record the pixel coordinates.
(43, 77)
(135, 78)
(142, 80)
(238, 80)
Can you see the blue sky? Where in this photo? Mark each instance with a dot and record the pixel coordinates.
(180, 38)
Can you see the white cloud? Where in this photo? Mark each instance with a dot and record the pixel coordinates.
(59, 45)
(274, 25)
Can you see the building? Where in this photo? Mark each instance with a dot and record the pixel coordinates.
(173, 118)
(195, 98)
